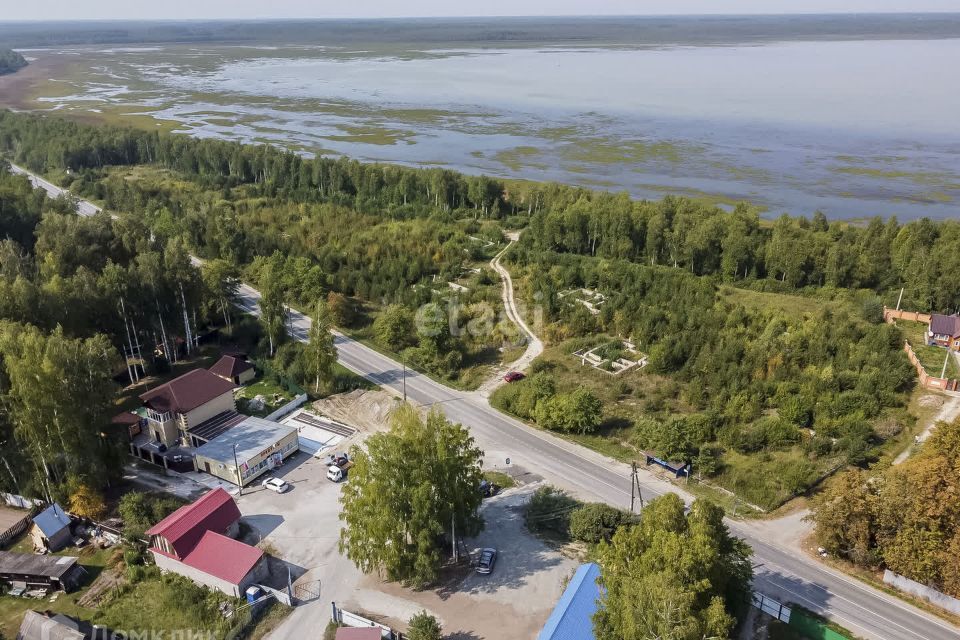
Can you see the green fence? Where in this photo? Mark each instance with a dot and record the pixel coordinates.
(813, 628)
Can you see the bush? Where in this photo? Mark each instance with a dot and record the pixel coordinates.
(549, 511)
(596, 521)
(424, 626)
(579, 412)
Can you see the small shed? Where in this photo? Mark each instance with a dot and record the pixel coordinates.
(39, 626)
(235, 369)
(51, 529)
(50, 572)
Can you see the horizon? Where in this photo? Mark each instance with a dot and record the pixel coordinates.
(485, 17)
(280, 10)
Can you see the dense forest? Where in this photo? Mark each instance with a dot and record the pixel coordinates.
(74, 292)
(906, 518)
(11, 61)
(796, 392)
(738, 247)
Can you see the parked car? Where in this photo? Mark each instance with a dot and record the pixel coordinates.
(513, 376)
(276, 484)
(488, 558)
(335, 473)
(341, 460)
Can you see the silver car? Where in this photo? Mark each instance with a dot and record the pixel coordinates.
(488, 558)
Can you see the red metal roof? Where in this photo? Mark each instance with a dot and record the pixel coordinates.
(358, 633)
(189, 391)
(223, 557)
(215, 511)
(230, 366)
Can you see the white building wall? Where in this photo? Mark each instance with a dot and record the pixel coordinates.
(166, 563)
(206, 411)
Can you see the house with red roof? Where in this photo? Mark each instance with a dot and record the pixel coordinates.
(236, 369)
(197, 542)
(175, 408)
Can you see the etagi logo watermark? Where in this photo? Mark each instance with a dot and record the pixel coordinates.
(480, 319)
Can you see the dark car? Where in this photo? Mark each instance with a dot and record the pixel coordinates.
(488, 558)
(513, 376)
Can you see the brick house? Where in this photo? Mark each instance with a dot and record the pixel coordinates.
(196, 541)
(944, 331)
(185, 402)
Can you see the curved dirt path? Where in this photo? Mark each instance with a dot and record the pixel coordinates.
(534, 344)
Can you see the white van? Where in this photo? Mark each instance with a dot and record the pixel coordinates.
(335, 473)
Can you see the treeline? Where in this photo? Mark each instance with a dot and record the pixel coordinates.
(703, 239)
(45, 144)
(738, 246)
(906, 519)
(11, 61)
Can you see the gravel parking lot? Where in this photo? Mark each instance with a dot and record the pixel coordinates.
(301, 527)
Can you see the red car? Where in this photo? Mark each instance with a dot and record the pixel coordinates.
(513, 376)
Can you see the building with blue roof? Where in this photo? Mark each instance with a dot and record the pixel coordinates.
(51, 528)
(572, 618)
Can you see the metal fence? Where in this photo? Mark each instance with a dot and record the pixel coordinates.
(350, 619)
(771, 607)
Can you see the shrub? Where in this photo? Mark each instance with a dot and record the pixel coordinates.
(424, 626)
(596, 521)
(579, 411)
(549, 511)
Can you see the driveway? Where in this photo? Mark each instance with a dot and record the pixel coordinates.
(301, 528)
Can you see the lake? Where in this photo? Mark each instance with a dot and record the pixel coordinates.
(854, 127)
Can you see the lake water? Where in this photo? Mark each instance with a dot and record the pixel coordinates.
(854, 128)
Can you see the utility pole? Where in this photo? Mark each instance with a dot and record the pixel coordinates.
(237, 465)
(635, 487)
(943, 373)
(404, 361)
(900, 298)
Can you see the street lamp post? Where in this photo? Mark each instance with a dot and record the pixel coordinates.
(237, 466)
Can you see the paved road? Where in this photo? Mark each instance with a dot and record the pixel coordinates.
(781, 572)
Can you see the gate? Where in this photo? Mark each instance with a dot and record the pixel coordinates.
(306, 591)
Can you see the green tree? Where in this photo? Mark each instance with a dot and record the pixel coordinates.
(60, 392)
(596, 521)
(342, 310)
(273, 312)
(320, 354)
(393, 328)
(407, 491)
(221, 279)
(672, 576)
(424, 626)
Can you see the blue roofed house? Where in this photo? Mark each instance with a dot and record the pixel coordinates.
(572, 618)
(51, 529)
